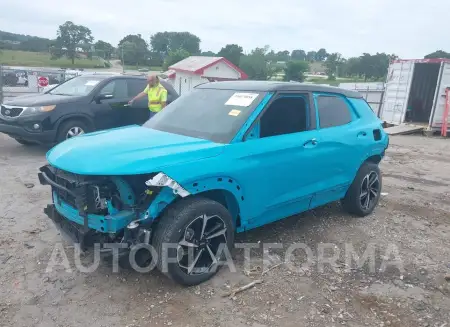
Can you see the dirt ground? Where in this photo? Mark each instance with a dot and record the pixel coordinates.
(413, 217)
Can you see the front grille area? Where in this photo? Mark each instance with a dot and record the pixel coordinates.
(70, 182)
(11, 111)
(64, 195)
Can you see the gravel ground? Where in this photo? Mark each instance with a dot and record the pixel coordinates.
(411, 224)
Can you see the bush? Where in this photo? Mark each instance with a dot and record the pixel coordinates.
(295, 70)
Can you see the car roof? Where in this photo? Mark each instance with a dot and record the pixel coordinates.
(273, 86)
(112, 75)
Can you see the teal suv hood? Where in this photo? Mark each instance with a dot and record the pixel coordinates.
(128, 151)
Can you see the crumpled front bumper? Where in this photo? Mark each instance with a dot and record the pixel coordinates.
(69, 230)
(112, 223)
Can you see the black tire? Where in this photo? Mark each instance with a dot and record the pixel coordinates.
(174, 226)
(354, 201)
(66, 126)
(23, 142)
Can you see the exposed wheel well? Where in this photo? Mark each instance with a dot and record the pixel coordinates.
(375, 159)
(227, 199)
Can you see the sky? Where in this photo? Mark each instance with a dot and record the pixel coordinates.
(349, 27)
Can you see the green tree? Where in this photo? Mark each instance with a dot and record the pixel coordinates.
(232, 52)
(256, 64)
(321, 55)
(438, 54)
(208, 54)
(375, 66)
(352, 67)
(334, 64)
(295, 70)
(298, 55)
(283, 55)
(69, 37)
(35, 44)
(174, 57)
(165, 42)
(311, 56)
(134, 50)
(104, 49)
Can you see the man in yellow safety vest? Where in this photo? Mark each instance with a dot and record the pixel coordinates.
(156, 93)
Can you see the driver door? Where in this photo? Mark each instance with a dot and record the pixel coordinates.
(279, 155)
(138, 111)
(110, 105)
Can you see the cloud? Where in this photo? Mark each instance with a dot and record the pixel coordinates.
(347, 26)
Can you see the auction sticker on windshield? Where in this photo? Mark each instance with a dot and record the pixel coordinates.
(234, 112)
(241, 99)
(91, 83)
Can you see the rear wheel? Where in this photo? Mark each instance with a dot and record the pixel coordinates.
(70, 129)
(363, 195)
(191, 240)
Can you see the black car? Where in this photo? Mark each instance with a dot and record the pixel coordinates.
(80, 105)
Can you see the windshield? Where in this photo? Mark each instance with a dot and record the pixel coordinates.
(209, 114)
(77, 86)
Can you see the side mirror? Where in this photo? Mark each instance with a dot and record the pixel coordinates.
(101, 97)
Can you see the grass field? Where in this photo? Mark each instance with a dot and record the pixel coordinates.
(39, 59)
(151, 68)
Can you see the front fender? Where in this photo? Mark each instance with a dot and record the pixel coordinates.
(235, 205)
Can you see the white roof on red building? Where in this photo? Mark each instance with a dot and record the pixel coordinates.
(197, 65)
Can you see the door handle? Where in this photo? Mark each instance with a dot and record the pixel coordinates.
(361, 134)
(309, 143)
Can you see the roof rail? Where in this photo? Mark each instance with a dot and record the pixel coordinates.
(134, 73)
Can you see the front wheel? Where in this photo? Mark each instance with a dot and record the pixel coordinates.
(192, 238)
(71, 128)
(363, 195)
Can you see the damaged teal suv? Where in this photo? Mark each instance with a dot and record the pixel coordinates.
(224, 158)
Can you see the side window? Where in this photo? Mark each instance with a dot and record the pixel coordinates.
(136, 86)
(333, 111)
(286, 115)
(118, 88)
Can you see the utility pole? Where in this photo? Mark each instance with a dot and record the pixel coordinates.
(123, 65)
(1, 83)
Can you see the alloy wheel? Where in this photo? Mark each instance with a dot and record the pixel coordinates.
(370, 187)
(74, 131)
(199, 249)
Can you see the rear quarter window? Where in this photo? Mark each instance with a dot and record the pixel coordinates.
(333, 111)
(362, 107)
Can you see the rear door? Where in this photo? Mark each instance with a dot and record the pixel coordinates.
(110, 112)
(340, 147)
(398, 86)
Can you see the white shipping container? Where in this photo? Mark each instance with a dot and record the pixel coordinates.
(418, 85)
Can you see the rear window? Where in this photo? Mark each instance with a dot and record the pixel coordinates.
(362, 107)
(333, 111)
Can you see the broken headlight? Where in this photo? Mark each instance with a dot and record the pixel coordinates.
(161, 180)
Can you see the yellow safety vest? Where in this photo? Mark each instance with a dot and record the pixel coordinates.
(157, 95)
